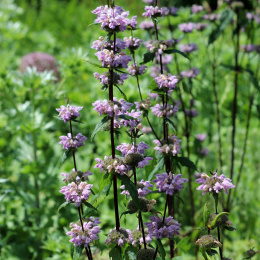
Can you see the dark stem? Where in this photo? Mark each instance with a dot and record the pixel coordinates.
(217, 108)
(155, 253)
(234, 113)
(73, 152)
(142, 226)
(216, 206)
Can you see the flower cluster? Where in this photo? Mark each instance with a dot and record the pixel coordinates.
(147, 25)
(169, 183)
(201, 26)
(152, 12)
(135, 70)
(76, 176)
(72, 142)
(76, 193)
(171, 146)
(188, 48)
(118, 79)
(114, 19)
(142, 189)
(196, 8)
(100, 44)
(118, 237)
(214, 184)
(110, 59)
(164, 110)
(132, 43)
(136, 237)
(115, 108)
(192, 73)
(109, 164)
(80, 237)
(158, 47)
(211, 17)
(201, 137)
(187, 27)
(160, 229)
(166, 81)
(69, 112)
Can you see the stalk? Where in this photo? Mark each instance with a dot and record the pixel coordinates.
(216, 206)
(111, 95)
(234, 113)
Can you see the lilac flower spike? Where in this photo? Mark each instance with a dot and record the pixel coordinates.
(69, 112)
(160, 229)
(76, 192)
(75, 142)
(166, 81)
(169, 183)
(151, 11)
(80, 237)
(214, 184)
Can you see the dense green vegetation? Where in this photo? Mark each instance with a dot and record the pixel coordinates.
(30, 159)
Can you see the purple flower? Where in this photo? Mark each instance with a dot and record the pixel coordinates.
(201, 137)
(146, 130)
(119, 238)
(75, 142)
(118, 79)
(76, 176)
(111, 59)
(166, 81)
(160, 229)
(136, 237)
(192, 73)
(164, 111)
(100, 45)
(172, 146)
(132, 122)
(76, 193)
(69, 112)
(196, 8)
(248, 48)
(125, 148)
(152, 12)
(211, 17)
(166, 59)
(187, 27)
(134, 70)
(156, 70)
(201, 26)
(158, 47)
(148, 1)
(109, 164)
(147, 25)
(133, 22)
(142, 189)
(173, 10)
(132, 43)
(115, 108)
(204, 152)
(80, 237)
(215, 183)
(169, 183)
(188, 48)
(191, 112)
(112, 19)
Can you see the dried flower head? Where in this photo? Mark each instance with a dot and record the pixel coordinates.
(208, 242)
(118, 237)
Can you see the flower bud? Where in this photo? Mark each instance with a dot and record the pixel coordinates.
(145, 254)
(208, 242)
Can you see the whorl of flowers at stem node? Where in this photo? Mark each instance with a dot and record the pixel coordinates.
(187, 27)
(214, 184)
(120, 237)
(76, 176)
(145, 205)
(80, 237)
(166, 81)
(132, 43)
(69, 112)
(105, 78)
(188, 48)
(152, 12)
(135, 70)
(158, 47)
(208, 242)
(136, 237)
(172, 146)
(211, 17)
(100, 44)
(75, 142)
(164, 110)
(196, 8)
(192, 73)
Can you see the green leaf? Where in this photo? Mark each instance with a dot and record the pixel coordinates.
(90, 205)
(63, 205)
(161, 249)
(78, 252)
(170, 51)
(130, 186)
(230, 228)
(184, 244)
(159, 166)
(96, 64)
(77, 121)
(65, 155)
(105, 183)
(72, 249)
(148, 57)
(206, 214)
(225, 19)
(171, 124)
(99, 126)
(213, 254)
(115, 253)
(122, 93)
(184, 161)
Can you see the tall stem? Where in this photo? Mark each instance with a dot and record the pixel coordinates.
(234, 113)
(216, 206)
(113, 150)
